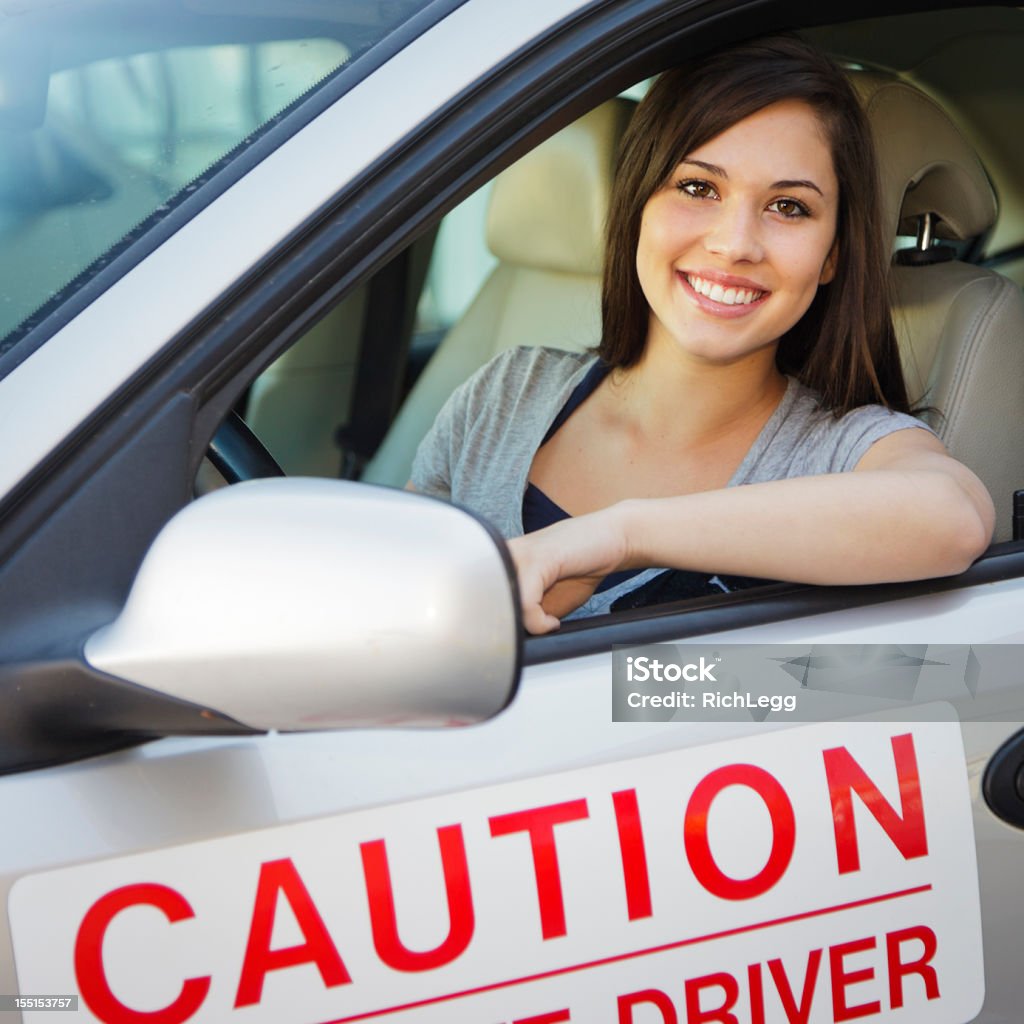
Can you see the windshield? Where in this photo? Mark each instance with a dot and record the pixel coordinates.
(113, 112)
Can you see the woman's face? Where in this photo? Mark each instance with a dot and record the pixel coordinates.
(733, 247)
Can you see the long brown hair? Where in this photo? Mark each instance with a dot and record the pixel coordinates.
(844, 346)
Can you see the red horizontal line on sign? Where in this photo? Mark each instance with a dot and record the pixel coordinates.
(573, 968)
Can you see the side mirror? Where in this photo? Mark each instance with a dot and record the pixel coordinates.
(313, 604)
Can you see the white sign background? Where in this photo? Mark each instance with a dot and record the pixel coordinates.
(509, 972)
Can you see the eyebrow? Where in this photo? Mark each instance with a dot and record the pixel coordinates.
(787, 183)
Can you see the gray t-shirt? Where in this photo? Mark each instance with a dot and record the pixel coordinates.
(479, 451)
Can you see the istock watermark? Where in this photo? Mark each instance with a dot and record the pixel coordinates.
(642, 669)
(820, 682)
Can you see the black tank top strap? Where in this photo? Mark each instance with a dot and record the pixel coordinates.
(538, 509)
(580, 394)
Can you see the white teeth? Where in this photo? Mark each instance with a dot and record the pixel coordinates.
(727, 296)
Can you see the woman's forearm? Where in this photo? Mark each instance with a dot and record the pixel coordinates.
(864, 527)
(908, 511)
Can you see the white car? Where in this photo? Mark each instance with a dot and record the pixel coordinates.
(277, 751)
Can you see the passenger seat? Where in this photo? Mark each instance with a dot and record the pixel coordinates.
(960, 326)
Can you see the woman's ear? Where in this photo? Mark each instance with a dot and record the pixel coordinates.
(828, 268)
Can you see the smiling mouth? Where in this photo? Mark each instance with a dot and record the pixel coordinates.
(728, 296)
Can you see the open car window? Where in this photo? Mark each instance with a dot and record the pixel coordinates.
(437, 288)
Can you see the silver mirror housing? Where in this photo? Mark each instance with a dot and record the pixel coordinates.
(313, 604)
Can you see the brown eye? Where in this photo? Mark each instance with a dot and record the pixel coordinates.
(697, 188)
(789, 208)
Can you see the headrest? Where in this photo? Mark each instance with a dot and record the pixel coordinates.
(925, 163)
(547, 210)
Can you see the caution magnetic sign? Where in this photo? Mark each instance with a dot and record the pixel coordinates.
(824, 873)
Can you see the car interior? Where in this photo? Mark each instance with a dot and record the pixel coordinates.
(519, 263)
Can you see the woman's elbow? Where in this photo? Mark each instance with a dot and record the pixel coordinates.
(970, 527)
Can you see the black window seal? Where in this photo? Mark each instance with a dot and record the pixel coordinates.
(757, 606)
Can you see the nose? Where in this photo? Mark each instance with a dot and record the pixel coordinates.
(735, 233)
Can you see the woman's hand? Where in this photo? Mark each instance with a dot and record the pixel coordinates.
(560, 566)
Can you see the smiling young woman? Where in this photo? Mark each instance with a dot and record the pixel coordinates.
(746, 414)
(733, 247)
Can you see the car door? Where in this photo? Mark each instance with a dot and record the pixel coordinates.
(113, 410)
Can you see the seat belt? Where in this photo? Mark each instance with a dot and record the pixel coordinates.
(389, 322)
(383, 352)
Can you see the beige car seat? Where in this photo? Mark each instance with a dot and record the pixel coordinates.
(960, 327)
(545, 224)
